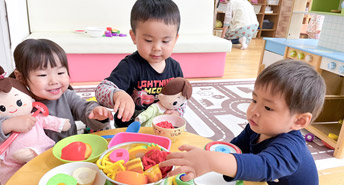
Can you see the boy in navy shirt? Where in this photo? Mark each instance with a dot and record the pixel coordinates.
(287, 97)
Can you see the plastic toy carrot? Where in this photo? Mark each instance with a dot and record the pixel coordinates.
(41, 108)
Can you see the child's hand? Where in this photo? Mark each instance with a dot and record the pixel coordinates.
(24, 155)
(22, 123)
(172, 112)
(124, 105)
(100, 113)
(192, 162)
(66, 125)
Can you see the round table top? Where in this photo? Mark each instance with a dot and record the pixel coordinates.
(31, 173)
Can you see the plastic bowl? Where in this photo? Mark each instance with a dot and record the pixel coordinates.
(69, 169)
(98, 144)
(173, 133)
(126, 145)
(95, 31)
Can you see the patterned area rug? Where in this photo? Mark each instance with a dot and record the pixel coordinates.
(217, 110)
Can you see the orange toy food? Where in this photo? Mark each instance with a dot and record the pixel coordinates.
(131, 177)
(88, 151)
(137, 152)
(153, 174)
(76, 151)
(134, 165)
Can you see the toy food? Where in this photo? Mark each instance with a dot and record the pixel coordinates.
(76, 151)
(137, 151)
(134, 165)
(179, 181)
(62, 179)
(141, 169)
(84, 176)
(153, 174)
(131, 177)
(165, 124)
(119, 154)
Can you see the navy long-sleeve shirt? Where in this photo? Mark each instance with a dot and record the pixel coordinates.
(283, 160)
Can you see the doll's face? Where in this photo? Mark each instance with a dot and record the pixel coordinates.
(15, 103)
(172, 101)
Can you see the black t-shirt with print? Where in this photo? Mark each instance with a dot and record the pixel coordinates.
(135, 75)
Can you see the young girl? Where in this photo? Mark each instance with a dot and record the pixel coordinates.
(42, 65)
(16, 101)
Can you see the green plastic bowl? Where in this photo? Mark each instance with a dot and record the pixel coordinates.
(98, 144)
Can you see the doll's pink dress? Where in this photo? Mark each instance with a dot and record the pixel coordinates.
(34, 139)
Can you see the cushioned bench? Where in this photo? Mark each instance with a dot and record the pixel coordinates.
(92, 59)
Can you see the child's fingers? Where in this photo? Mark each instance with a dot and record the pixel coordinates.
(91, 116)
(116, 106)
(175, 155)
(109, 115)
(174, 162)
(120, 112)
(188, 176)
(186, 147)
(128, 114)
(189, 173)
(33, 120)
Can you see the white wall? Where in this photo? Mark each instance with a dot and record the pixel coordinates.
(14, 28)
(18, 21)
(69, 15)
(5, 52)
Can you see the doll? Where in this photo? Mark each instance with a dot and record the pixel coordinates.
(15, 100)
(172, 97)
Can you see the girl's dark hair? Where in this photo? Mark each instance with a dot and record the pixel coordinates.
(300, 85)
(33, 54)
(165, 10)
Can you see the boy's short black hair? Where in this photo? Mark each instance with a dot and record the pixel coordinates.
(164, 10)
(300, 85)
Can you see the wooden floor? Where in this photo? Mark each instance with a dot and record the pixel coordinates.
(244, 64)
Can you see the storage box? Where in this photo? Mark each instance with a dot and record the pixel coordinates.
(257, 8)
(218, 33)
(267, 24)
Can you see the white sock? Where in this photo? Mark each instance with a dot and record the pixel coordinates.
(242, 41)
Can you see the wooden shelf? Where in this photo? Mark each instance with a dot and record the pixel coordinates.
(273, 17)
(322, 131)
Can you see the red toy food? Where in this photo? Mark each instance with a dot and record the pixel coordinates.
(154, 157)
(165, 124)
(76, 151)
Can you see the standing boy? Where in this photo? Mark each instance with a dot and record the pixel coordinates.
(137, 80)
(287, 97)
